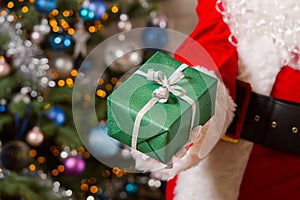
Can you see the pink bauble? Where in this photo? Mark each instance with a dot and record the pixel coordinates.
(4, 67)
(74, 165)
(34, 137)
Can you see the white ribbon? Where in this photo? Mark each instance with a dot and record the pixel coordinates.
(161, 95)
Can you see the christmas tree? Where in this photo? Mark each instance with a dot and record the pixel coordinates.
(42, 46)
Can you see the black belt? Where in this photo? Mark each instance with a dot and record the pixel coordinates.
(267, 121)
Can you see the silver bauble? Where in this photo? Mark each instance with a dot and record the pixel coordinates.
(118, 60)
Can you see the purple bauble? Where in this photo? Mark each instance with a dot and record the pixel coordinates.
(74, 165)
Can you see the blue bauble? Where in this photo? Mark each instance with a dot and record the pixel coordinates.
(102, 145)
(45, 5)
(98, 7)
(155, 38)
(86, 14)
(60, 41)
(3, 108)
(56, 115)
(131, 188)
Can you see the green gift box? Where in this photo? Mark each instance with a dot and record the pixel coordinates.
(165, 128)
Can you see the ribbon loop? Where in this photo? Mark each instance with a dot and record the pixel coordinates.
(162, 93)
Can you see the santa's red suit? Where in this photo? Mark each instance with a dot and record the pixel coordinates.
(246, 170)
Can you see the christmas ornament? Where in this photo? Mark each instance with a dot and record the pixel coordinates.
(131, 188)
(21, 97)
(121, 56)
(35, 137)
(98, 7)
(62, 63)
(4, 67)
(45, 5)
(56, 115)
(86, 14)
(15, 155)
(124, 23)
(3, 108)
(154, 37)
(158, 20)
(80, 37)
(101, 145)
(60, 41)
(39, 31)
(74, 165)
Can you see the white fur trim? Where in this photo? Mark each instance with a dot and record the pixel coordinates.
(259, 64)
(218, 176)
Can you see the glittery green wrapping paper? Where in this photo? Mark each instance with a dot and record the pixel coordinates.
(165, 127)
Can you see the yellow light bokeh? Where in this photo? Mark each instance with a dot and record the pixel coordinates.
(109, 86)
(69, 81)
(92, 29)
(61, 168)
(84, 187)
(81, 149)
(71, 31)
(94, 189)
(32, 153)
(31, 1)
(25, 9)
(101, 93)
(53, 22)
(55, 12)
(55, 29)
(66, 13)
(32, 167)
(114, 9)
(114, 80)
(41, 159)
(74, 72)
(10, 4)
(105, 16)
(55, 172)
(86, 155)
(61, 83)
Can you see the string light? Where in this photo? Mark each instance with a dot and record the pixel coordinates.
(105, 16)
(114, 9)
(55, 172)
(71, 31)
(32, 167)
(93, 189)
(84, 187)
(10, 4)
(86, 155)
(109, 86)
(114, 80)
(61, 83)
(101, 81)
(74, 72)
(92, 29)
(32, 153)
(101, 93)
(25, 9)
(31, 1)
(61, 168)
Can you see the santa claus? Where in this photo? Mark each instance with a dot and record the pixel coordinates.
(256, 42)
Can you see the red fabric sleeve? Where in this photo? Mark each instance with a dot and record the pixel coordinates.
(208, 46)
(212, 34)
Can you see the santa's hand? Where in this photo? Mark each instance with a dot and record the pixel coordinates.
(179, 163)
